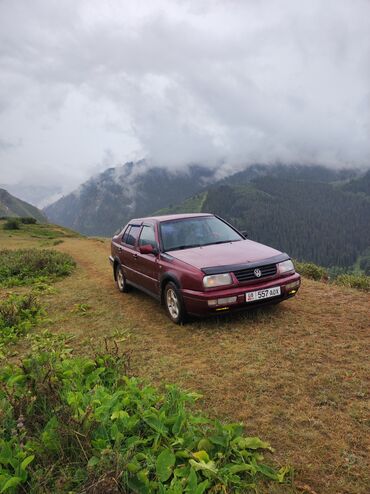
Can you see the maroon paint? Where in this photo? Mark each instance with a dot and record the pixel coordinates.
(149, 271)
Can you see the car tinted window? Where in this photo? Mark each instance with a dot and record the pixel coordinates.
(132, 234)
(124, 236)
(194, 232)
(147, 236)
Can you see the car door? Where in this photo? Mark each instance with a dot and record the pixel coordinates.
(148, 271)
(129, 255)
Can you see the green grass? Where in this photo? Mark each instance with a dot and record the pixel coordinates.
(70, 424)
(26, 266)
(192, 205)
(18, 314)
(359, 281)
(37, 230)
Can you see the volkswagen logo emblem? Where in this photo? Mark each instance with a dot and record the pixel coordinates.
(257, 273)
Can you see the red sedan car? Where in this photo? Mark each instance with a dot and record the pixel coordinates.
(199, 264)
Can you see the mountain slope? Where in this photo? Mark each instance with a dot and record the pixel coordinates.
(12, 206)
(313, 221)
(107, 201)
(295, 373)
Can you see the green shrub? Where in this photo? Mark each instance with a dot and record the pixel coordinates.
(310, 270)
(26, 266)
(78, 422)
(12, 224)
(28, 220)
(360, 281)
(18, 314)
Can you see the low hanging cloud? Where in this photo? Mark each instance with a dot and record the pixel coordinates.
(224, 83)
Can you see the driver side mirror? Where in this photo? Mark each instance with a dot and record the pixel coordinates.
(244, 233)
(148, 249)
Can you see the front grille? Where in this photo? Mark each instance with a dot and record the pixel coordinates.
(247, 274)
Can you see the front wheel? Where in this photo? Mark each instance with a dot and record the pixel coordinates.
(174, 304)
(121, 280)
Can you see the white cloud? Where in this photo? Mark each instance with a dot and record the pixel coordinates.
(83, 82)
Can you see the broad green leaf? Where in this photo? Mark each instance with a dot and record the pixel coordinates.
(201, 465)
(16, 379)
(119, 414)
(201, 455)
(164, 464)
(192, 481)
(219, 440)
(12, 482)
(253, 443)
(243, 467)
(202, 487)
(27, 461)
(205, 444)
(138, 487)
(156, 424)
(267, 471)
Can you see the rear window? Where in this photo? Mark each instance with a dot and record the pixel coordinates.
(131, 234)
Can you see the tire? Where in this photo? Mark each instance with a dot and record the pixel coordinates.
(121, 280)
(174, 304)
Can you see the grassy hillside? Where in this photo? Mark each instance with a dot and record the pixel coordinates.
(294, 374)
(12, 206)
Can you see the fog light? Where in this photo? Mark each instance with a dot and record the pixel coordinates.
(227, 300)
(292, 286)
(222, 301)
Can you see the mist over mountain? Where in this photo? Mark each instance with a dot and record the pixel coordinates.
(37, 195)
(108, 200)
(12, 206)
(85, 83)
(315, 213)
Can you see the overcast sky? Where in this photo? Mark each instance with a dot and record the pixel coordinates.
(85, 85)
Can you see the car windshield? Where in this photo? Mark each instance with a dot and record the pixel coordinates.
(196, 232)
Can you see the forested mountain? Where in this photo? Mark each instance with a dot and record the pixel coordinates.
(359, 184)
(107, 201)
(313, 221)
(314, 213)
(12, 206)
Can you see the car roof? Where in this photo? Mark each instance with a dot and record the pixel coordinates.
(169, 217)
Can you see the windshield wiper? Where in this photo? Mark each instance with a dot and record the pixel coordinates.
(181, 247)
(222, 242)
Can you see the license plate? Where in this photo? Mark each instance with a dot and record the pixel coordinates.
(262, 294)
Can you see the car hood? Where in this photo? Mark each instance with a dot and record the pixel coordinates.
(231, 253)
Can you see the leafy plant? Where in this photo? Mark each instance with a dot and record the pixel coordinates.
(26, 266)
(18, 314)
(360, 281)
(310, 270)
(88, 424)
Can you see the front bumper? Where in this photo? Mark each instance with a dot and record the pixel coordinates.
(196, 303)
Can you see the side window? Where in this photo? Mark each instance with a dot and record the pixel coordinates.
(125, 235)
(147, 236)
(131, 234)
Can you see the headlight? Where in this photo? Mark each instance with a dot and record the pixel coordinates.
(286, 267)
(217, 280)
